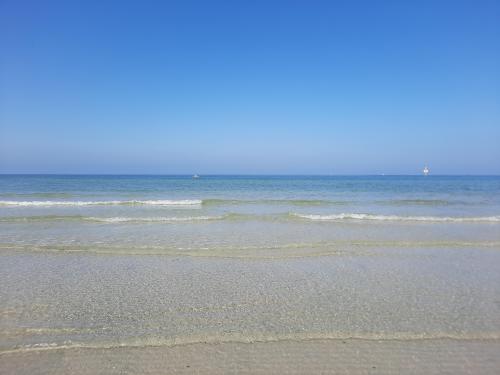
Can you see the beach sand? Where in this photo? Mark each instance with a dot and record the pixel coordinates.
(290, 357)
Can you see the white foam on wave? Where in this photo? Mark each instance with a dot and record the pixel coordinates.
(355, 216)
(121, 219)
(161, 202)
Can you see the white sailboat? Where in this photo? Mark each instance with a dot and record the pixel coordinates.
(425, 171)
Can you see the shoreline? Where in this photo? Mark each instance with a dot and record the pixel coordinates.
(237, 339)
(353, 356)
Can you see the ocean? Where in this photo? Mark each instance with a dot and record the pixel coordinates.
(106, 261)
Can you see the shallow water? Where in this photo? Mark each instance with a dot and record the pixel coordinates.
(100, 261)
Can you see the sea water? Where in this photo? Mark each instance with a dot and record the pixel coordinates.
(98, 261)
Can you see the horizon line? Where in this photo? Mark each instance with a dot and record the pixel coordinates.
(251, 174)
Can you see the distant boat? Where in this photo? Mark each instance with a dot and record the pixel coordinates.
(425, 171)
(196, 176)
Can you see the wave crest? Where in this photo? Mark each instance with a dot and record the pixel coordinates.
(356, 216)
(157, 219)
(159, 202)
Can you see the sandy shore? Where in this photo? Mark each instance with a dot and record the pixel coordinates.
(290, 357)
(413, 312)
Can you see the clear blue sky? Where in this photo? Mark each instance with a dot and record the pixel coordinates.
(304, 87)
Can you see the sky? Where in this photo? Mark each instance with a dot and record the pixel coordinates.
(250, 87)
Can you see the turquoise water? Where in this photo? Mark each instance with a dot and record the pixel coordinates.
(100, 261)
(163, 214)
(459, 194)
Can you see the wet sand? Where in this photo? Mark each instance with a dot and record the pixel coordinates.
(288, 356)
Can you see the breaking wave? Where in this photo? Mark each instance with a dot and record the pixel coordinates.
(182, 202)
(279, 217)
(158, 219)
(115, 219)
(223, 202)
(355, 216)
